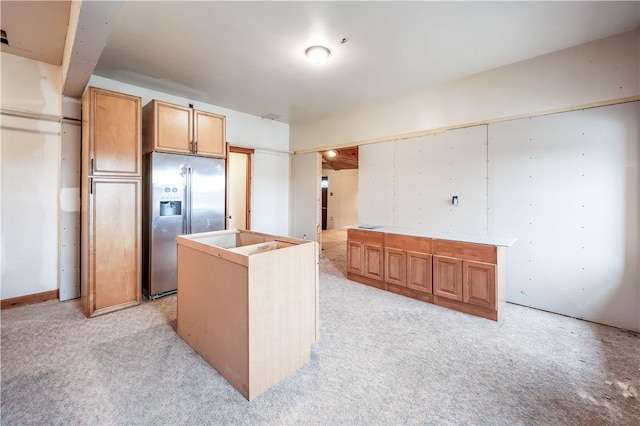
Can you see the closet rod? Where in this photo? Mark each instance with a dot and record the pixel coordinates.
(33, 115)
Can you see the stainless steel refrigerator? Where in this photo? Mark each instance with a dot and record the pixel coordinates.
(183, 195)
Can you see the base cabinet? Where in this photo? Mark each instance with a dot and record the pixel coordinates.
(479, 284)
(407, 266)
(419, 272)
(447, 277)
(373, 267)
(395, 261)
(457, 275)
(355, 258)
(365, 257)
(114, 261)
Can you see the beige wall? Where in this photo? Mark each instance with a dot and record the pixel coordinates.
(594, 72)
(342, 200)
(29, 170)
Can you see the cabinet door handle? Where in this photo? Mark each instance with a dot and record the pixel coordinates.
(91, 167)
(91, 186)
(195, 146)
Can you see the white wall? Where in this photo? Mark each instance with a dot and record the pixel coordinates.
(30, 167)
(270, 192)
(598, 71)
(305, 187)
(410, 183)
(566, 185)
(270, 139)
(342, 198)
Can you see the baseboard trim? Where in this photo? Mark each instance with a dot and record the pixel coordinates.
(29, 299)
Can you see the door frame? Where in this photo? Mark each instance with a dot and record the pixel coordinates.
(249, 153)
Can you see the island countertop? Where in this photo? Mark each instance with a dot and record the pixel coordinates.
(451, 236)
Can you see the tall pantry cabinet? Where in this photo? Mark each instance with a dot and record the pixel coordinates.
(110, 201)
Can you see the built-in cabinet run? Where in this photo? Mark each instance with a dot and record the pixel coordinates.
(459, 275)
(110, 201)
(182, 130)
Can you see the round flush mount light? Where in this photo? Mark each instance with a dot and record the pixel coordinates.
(331, 153)
(317, 54)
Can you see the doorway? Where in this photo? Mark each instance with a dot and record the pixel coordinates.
(339, 208)
(239, 187)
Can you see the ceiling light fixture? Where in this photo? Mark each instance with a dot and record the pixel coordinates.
(331, 153)
(317, 54)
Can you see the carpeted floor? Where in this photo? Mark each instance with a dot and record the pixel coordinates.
(381, 359)
(334, 245)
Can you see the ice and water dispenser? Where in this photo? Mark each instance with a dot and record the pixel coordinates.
(170, 199)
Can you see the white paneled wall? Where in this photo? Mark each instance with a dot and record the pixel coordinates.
(375, 183)
(565, 185)
(430, 170)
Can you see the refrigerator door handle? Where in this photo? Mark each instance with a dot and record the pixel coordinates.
(187, 199)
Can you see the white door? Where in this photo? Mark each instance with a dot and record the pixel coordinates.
(306, 196)
(239, 187)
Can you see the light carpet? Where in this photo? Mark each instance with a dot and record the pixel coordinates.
(381, 359)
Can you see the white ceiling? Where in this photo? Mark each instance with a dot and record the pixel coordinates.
(249, 56)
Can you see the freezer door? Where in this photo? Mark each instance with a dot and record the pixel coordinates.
(207, 194)
(168, 207)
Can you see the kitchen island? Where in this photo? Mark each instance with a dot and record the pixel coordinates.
(462, 272)
(248, 304)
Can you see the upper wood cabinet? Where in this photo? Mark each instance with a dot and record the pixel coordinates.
(177, 129)
(111, 127)
(209, 138)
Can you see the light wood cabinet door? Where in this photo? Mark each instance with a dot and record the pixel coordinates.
(447, 277)
(114, 238)
(209, 138)
(112, 134)
(373, 262)
(355, 257)
(182, 130)
(173, 130)
(479, 284)
(419, 272)
(395, 266)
